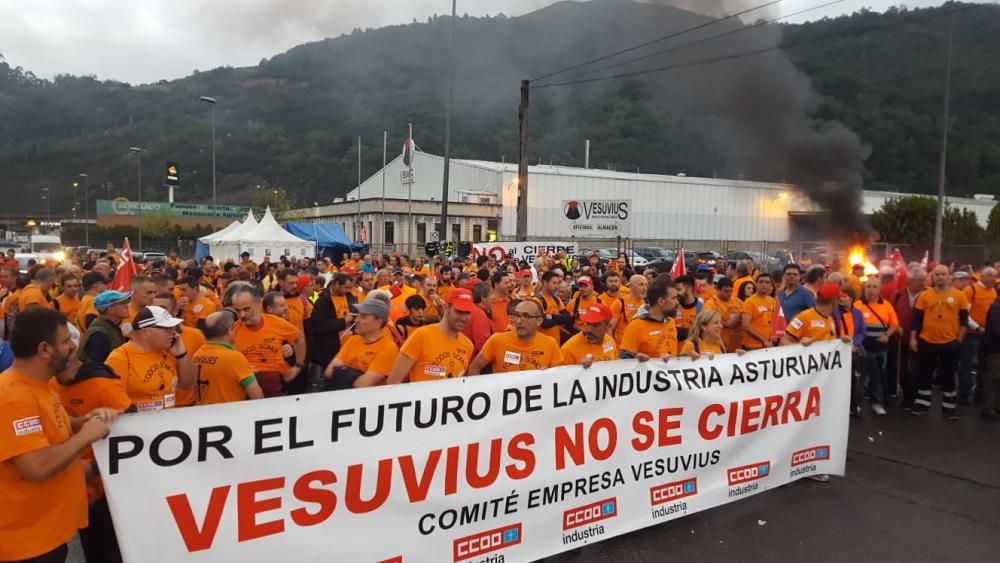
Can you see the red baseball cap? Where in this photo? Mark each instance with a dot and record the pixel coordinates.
(597, 313)
(524, 274)
(461, 300)
(585, 280)
(828, 292)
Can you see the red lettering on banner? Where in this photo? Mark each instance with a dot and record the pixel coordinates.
(451, 471)
(326, 499)
(248, 507)
(745, 417)
(641, 424)
(518, 451)
(195, 538)
(472, 476)
(352, 493)
(565, 444)
(417, 490)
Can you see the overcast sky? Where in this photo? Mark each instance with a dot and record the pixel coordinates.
(147, 40)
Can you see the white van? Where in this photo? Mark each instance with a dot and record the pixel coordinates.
(47, 248)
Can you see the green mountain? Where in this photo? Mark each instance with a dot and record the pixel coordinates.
(293, 120)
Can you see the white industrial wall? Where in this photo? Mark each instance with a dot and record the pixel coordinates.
(873, 200)
(428, 171)
(663, 207)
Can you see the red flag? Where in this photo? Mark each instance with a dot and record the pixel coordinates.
(902, 277)
(126, 270)
(679, 268)
(778, 324)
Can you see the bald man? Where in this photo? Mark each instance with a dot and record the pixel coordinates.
(980, 295)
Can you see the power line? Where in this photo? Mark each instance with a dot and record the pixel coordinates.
(657, 40)
(745, 54)
(704, 40)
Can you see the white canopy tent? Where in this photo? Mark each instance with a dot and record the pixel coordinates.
(227, 245)
(218, 234)
(265, 238)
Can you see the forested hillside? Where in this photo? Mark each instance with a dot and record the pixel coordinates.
(293, 120)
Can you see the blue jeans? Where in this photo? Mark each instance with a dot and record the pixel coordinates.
(874, 364)
(969, 355)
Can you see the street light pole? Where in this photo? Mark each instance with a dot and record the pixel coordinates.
(86, 210)
(138, 167)
(48, 209)
(942, 172)
(447, 127)
(211, 101)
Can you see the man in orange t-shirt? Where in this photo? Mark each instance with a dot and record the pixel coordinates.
(260, 338)
(593, 343)
(194, 307)
(37, 292)
(366, 357)
(93, 285)
(43, 496)
(653, 332)
(584, 298)
(69, 300)
(522, 349)
(626, 308)
(438, 351)
(224, 375)
(500, 281)
(940, 321)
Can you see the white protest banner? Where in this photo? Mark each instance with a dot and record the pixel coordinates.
(526, 251)
(494, 468)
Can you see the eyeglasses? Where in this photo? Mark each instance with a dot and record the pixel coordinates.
(522, 316)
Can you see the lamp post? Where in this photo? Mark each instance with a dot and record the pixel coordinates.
(442, 234)
(138, 169)
(48, 209)
(211, 101)
(86, 210)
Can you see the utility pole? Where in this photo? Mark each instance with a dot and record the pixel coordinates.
(138, 168)
(211, 100)
(942, 172)
(522, 164)
(385, 153)
(86, 209)
(357, 221)
(447, 129)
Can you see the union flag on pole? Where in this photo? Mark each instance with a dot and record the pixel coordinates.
(126, 270)
(679, 269)
(778, 323)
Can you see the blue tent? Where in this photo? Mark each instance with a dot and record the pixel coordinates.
(331, 240)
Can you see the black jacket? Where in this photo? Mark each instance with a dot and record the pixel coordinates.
(326, 328)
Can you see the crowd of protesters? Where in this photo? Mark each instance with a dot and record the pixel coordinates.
(79, 348)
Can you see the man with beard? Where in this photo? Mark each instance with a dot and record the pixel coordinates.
(438, 351)
(593, 343)
(69, 300)
(523, 348)
(299, 309)
(626, 308)
(104, 334)
(584, 298)
(260, 337)
(331, 316)
(653, 332)
(43, 495)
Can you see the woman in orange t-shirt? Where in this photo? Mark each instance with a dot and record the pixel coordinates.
(705, 338)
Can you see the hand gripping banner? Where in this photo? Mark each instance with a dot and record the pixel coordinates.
(486, 469)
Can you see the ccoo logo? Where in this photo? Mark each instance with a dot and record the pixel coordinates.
(590, 513)
(809, 455)
(662, 494)
(747, 473)
(485, 542)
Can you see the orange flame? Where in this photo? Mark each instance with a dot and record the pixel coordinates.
(857, 255)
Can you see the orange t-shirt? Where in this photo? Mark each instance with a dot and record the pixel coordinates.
(87, 309)
(193, 339)
(703, 348)
(397, 308)
(550, 306)
(298, 311)
(223, 374)
(522, 293)
(378, 356)
(149, 378)
(32, 296)
(655, 339)
(69, 306)
(197, 311)
(880, 316)
(941, 314)
(980, 299)
(630, 306)
(738, 284)
(262, 344)
(761, 309)
(35, 518)
(731, 310)
(577, 347)
(500, 318)
(432, 311)
(506, 352)
(436, 356)
(811, 324)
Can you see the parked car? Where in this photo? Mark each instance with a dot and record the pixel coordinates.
(708, 257)
(150, 256)
(653, 253)
(762, 261)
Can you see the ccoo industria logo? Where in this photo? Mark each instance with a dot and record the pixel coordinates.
(596, 209)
